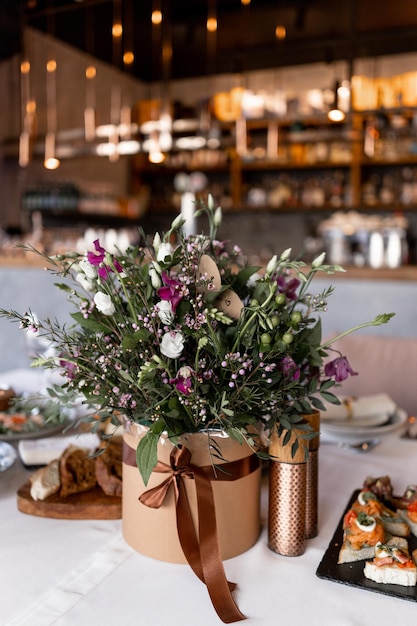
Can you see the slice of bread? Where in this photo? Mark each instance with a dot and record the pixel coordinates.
(109, 467)
(392, 567)
(412, 525)
(390, 575)
(78, 471)
(45, 481)
(6, 396)
(395, 525)
(348, 555)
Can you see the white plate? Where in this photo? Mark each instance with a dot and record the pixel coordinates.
(344, 431)
(358, 422)
(7, 456)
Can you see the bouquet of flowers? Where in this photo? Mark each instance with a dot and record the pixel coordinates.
(179, 334)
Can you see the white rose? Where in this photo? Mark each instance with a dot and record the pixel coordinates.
(88, 269)
(172, 344)
(104, 304)
(165, 312)
(84, 281)
(165, 249)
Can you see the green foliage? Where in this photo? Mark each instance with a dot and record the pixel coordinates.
(153, 344)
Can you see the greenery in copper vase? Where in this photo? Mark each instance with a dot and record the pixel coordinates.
(179, 334)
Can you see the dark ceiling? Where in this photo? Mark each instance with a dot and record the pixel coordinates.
(317, 31)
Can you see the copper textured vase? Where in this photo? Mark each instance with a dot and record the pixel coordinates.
(287, 496)
(153, 524)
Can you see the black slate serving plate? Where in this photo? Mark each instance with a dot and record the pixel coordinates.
(351, 574)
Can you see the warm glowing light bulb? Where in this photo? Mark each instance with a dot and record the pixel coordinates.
(128, 58)
(117, 29)
(156, 17)
(156, 157)
(31, 106)
(90, 71)
(212, 24)
(245, 2)
(51, 66)
(280, 32)
(25, 67)
(51, 163)
(336, 115)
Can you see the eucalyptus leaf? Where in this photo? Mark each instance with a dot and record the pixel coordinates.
(146, 455)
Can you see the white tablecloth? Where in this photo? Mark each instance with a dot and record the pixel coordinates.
(82, 572)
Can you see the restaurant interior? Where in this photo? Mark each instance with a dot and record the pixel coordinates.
(298, 119)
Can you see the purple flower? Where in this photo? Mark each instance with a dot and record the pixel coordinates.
(288, 287)
(69, 367)
(171, 291)
(97, 259)
(339, 368)
(183, 380)
(289, 368)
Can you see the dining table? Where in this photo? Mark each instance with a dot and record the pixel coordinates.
(83, 572)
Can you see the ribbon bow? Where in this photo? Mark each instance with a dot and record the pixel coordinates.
(202, 552)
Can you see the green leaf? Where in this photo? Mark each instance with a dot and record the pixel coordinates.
(146, 455)
(242, 277)
(329, 397)
(90, 324)
(64, 287)
(326, 385)
(316, 402)
(131, 341)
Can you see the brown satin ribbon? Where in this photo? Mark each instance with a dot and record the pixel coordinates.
(202, 552)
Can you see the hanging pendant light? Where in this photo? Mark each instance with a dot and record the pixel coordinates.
(24, 140)
(51, 162)
(335, 113)
(90, 108)
(28, 107)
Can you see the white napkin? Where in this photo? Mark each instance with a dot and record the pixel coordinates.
(42, 451)
(24, 380)
(358, 408)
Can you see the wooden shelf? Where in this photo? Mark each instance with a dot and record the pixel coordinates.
(405, 273)
(296, 156)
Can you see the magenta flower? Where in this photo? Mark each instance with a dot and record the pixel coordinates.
(69, 367)
(290, 368)
(288, 287)
(170, 291)
(183, 380)
(97, 259)
(339, 368)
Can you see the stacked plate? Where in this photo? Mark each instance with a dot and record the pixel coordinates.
(362, 418)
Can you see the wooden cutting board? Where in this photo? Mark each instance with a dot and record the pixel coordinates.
(92, 504)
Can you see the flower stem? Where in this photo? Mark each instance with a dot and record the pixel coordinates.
(383, 318)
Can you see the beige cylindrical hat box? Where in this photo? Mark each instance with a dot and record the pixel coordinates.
(153, 532)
